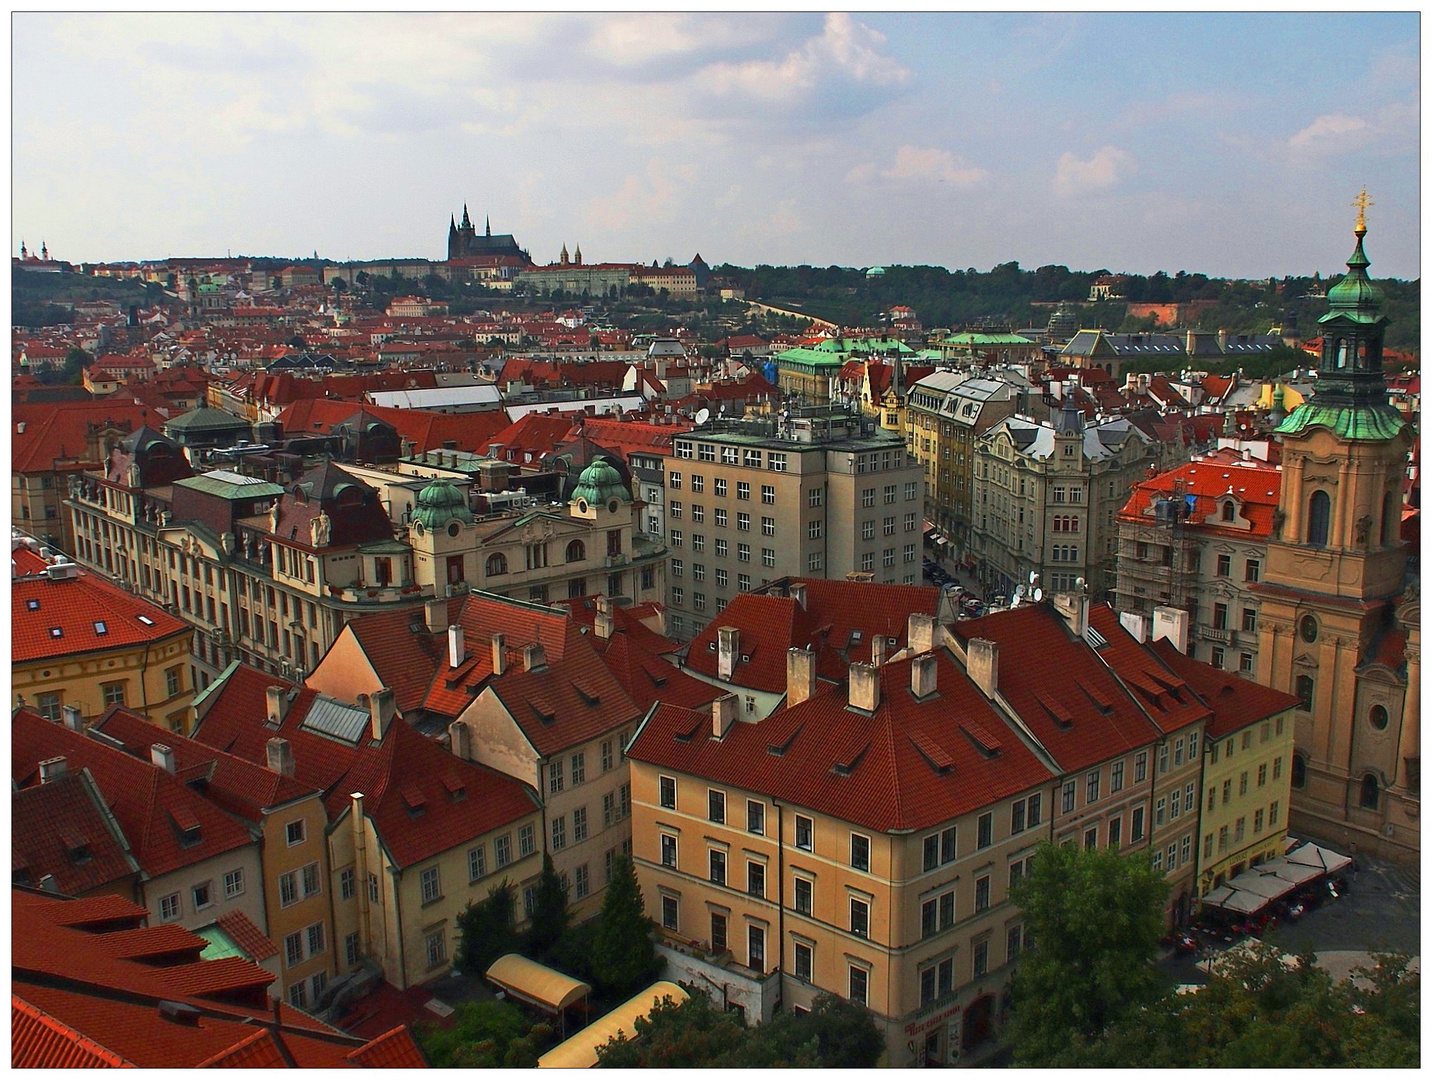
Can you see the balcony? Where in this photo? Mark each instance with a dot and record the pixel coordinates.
(1212, 633)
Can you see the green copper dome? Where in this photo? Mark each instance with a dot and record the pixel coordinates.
(1375, 423)
(1355, 296)
(599, 484)
(439, 503)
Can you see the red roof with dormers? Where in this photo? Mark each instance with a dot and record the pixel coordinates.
(1163, 695)
(646, 677)
(459, 799)
(838, 621)
(911, 765)
(1255, 485)
(88, 612)
(60, 829)
(426, 430)
(153, 808)
(1060, 687)
(1235, 701)
(44, 436)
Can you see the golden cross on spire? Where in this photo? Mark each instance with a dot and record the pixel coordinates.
(1362, 202)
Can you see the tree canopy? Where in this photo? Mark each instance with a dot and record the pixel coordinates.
(623, 955)
(485, 930)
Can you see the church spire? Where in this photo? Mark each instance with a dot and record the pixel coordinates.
(466, 221)
(489, 224)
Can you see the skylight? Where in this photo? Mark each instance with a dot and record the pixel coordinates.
(100, 628)
(145, 619)
(56, 632)
(32, 605)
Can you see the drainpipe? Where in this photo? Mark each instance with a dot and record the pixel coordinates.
(360, 852)
(780, 902)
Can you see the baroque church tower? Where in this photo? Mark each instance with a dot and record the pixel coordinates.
(1339, 625)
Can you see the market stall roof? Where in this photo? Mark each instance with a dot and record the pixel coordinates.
(1297, 873)
(1324, 859)
(536, 983)
(580, 1051)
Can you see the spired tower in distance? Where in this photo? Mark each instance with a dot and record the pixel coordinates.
(1340, 623)
(465, 242)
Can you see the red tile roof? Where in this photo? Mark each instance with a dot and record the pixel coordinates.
(62, 829)
(1256, 484)
(835, 612)
(1236, 702)
(1163, 695)
(247, 935)
(44, 436)
(38, 1040)
(463, 800)
(426, 430)
(77, 607)
(395, 1049)
(911, 765)
(646, 677)
(148, 804)
(1060, 688)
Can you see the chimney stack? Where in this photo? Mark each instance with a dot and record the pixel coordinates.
(723, 714)
(800, 676)
(460, 738)
(163, 756)
(534, 657)
(435, 615)
(923, 675)
(52, 769)
(1136, 625)
(71, 718)
(1075, 608)
(798, 594)
(1223, 340)
(499, 654)
(728, 651)
(920, 633)
(280, 756)
(457, 648)
(877, 650)
(864, 687)
(1172, 623)
(604, 623)
(381, 708)
(277, 705)
(982, 665)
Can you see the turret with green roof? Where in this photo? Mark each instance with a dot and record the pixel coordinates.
(439, 503)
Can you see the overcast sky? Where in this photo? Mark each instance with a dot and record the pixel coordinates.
(1227, 144)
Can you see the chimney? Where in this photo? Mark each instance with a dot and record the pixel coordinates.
(380, 710)
(1136, 625)
(499, 654)
(982, 665)
(460, 738)
(800, 676)
(1075, 609)
(435, 615)
(923, 675)
(864, 687)
(920, 633)
(457, 649)
(52, 769)
(280, 756)
(797, 592)
(277, 705)
(604, 623)
(1172, 623)
(1191, 342)
(877, 650)
(728, 651)
(723, 714)
(163, 756)
(534, 657)
(49, 884)
(1223, 340)
(71, 718)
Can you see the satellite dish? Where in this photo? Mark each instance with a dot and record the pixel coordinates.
(1038, 595)
(702, 415)
(1033, 577)
(1019, 592)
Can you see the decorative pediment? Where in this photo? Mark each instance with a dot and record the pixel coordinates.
(1305, 660)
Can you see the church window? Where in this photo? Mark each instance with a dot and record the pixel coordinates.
(1308, 629)
(1378, 717)
(1368, 798)
(1319, 515)
(1303, 688)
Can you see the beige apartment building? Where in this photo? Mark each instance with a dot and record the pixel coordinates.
(811, 493)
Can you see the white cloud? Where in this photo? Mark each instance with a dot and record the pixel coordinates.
(639, 200)
(845, 47)
(915, 163)
(1330, 126)
(1334, 133)
(1105, 169)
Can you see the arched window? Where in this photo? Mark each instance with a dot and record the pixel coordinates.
(1341, 348)
(1300, 771)
(496, 564)
(1228, 510)
(1369, 795)
(576, 551)
(1319, 514)
(1391, 531)
(1303, 688)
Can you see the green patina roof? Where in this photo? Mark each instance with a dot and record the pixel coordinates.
(439, 503)
(1355, 297)
(206, 419)
(230, 485)
(836, 351)
(220, 945)
(986, 339)
(599, 484)
(1377, 423)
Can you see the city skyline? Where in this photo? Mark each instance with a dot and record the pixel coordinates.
(1225, 144)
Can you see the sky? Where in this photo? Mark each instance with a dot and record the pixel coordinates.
(1226, 144)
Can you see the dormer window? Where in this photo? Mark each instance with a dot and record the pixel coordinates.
(1229, 511)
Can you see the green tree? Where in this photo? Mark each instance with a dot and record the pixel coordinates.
(478, 1040)
(677, 1035)
(524, 1052)
(834, 1034)
(1093, 917)
(549, 913)
(623, 955)
(485, 930)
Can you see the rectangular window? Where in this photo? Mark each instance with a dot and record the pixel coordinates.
(768, 557)
(804, 896)
(803, 964)
(288, 888)
(293, 948)
(668, 850)
(743, 489)
(717, 867)
(859, 986)
(1250, 570)
(315, 939)
(372, 888)
(860, 852)
(859, 918)
(985, 831)
(1225, 565)
(1116, 831)
(720, 488)
(579, 824)
(170, 907)
(1068, 802)
(716, 806)
(667, 786)
(981, 962)
(768, 494)
(1163, 759)
(233, 884)
(1036, 810)
(204, 896)
(1136, 829)
(294, 832)
(350, 949)
(1273, 814)
(436, 946)
(768, 526)
(1141, 767)
(805, 833)
(982, 893)
(579, 768)
(502, 851)
(526, 840)
(756, 878)
(1091, 787)
(1116, 778)
(756, 948)
(476, 862)
(1160, 809)
(755, 817)
(554, 776)
(559, 832)
(718, 932)
(432, 887)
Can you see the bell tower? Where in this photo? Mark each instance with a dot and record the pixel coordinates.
(1332, 620)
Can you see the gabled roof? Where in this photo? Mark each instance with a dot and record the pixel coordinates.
(63, 829)
(426, 430)
(1062, 691)
(646, 677)
(167, 825)
(83, 613)
(422, 799)
(838, 621)
(911, 765)
(1163, 694)
(1236, 702)
(43, 434)
(1256, 485)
